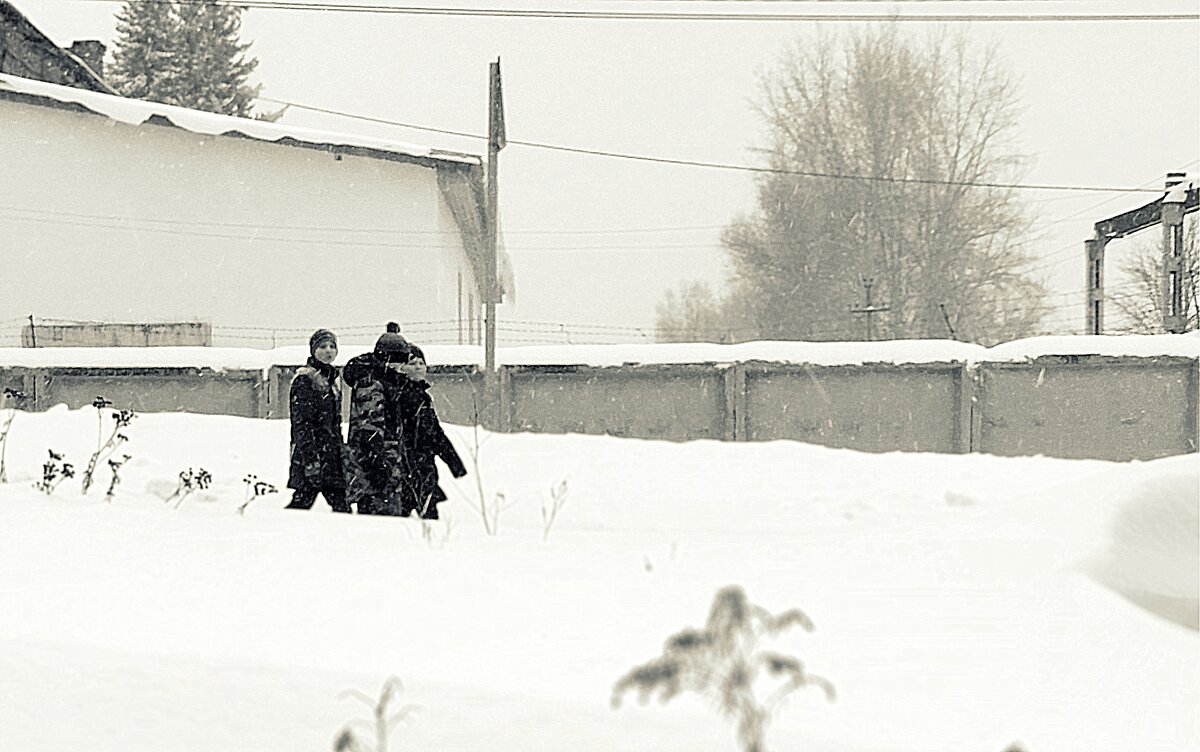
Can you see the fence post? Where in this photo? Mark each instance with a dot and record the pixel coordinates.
(505, 396)
(735, 403)
(262, 388)
(1193, 409)
(964, 431)
(978, 374)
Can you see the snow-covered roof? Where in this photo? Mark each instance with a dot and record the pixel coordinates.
(1177, 194)
(137, 112)
(897, 352)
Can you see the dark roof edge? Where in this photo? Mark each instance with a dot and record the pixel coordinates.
(86, 74)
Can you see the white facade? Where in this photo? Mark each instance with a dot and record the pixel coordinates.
(114, 213)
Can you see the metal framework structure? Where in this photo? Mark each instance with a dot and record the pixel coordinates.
(1180, 197)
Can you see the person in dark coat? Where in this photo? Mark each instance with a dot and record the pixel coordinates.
(374, 466)
(423, 439)
(316, 413)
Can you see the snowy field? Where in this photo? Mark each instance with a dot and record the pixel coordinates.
(961, 603)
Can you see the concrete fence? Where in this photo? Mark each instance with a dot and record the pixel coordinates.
(157, 389)
(1080, 406)
(1087, 407)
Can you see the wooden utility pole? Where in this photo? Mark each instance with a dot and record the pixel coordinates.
(496, 142)
(870, 309)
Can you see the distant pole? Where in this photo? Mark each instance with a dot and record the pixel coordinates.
(496, 142)
(946, 318)
(870, 309)
(1173, 319)
(32, 330)
(1093, 302)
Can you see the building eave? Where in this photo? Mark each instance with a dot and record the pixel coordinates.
(137, 112)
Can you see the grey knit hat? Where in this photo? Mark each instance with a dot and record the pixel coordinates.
(319, 336)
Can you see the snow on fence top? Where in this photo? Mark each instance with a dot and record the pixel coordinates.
(801, 353)
(136, 112)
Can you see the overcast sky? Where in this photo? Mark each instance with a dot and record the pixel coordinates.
(596, 241)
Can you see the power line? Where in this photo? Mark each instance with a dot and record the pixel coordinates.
(124, 218)
(711, 16)
(183, 228)
(169, 227)
(841, 2)
(724, 165)
(1075, 246)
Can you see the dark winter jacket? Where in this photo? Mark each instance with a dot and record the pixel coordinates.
(423, 439)
(316, 411)
(375, 459)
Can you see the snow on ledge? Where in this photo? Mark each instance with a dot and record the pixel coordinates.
(136, 112)
(895, 352)
(1131, 345)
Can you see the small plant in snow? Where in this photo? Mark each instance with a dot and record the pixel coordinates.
(189, 481)
(489, 512)
(54, 471)
(254, 489)
(428, 529)
(105, 449)
(13, 399)
(722, 663)
(384, 720)
(558, 497)
(115, 466)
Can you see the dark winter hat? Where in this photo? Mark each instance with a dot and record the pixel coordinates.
(416, 352)
(391, 347)
(319, 336)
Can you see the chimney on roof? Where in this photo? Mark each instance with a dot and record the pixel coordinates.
(91, 52)
(1174, 179)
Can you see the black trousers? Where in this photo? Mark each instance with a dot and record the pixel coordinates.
(304, 499)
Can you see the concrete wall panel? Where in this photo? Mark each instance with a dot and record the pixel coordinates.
(870, 408)
(678, 402)
(189, 390)
(1088, 406)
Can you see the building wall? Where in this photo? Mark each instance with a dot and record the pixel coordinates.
(457, 289)
(121, 222)
(116, 335)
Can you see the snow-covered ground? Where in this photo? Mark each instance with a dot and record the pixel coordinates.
(962, 602)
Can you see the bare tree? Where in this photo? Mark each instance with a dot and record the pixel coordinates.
(1140, 301)
(693, 312)
(925, 132)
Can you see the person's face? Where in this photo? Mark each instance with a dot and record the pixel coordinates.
(326, 351)
(416, 369)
